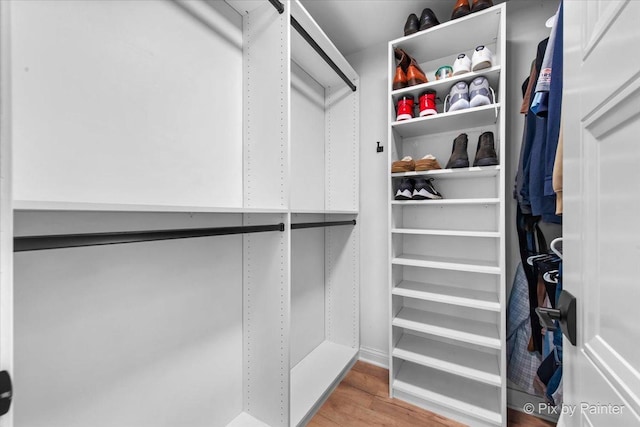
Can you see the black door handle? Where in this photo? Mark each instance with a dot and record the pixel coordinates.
(565, 314)
(6, 392)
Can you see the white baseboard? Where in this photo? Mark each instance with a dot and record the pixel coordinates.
(517, 399)
(561, 422)
(374, 356)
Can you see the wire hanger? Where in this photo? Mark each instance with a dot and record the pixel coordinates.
(556, 246)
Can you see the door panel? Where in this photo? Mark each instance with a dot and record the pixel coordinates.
(602, 197)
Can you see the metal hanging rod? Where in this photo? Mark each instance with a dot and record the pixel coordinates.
(279, 6)
(59, 241)
(295, 24)
(322, 224)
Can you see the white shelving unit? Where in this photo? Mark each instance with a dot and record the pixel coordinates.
(447, 257)
(195, 114)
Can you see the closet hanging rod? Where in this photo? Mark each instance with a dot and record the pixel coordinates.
(295, 24)
(59, 241)
(279, 6)
(322, 224)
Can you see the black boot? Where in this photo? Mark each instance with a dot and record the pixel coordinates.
(428, 19)
(411, 26)
(459, 157)
(486, 151)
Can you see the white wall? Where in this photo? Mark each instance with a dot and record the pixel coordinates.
(525, 28)
(371, 65)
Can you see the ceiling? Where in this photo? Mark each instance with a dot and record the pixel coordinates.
(353, 25)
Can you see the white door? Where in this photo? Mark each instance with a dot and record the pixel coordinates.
(6, 222)
(601, 112)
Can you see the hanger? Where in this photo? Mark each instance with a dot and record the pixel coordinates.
(532, 258)
(556, 246)
(551, 276)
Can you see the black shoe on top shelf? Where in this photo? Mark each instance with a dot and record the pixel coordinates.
(412, 24)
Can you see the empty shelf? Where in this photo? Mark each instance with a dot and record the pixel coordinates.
(246, 420)
(446, 263)
(446, 122)
(487, 201)
(472, 172)
(472, 298)
(469, 397)
(34, 205)
(315, 375)
(468, 363)
(452, 233)
(472, 331)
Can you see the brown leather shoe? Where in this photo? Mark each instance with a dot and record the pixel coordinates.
(403, 58)
(480, 5)
(460, 9)
(415, 75)
(400, 79)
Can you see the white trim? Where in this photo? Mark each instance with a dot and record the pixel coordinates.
(374, 356)
(516, 399)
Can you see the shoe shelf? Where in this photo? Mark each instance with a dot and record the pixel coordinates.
(446, 263)
(484, 334)
(471, 298)
(447, 279)
(445, 122)
(467, 363)
(443, 86)
(452, 233)
(487, 201)
(471, 172)
(450, 38)
(477, 400)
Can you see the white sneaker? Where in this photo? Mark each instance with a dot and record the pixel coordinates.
(461, 65)
(482, 58)
(458, 97)
(480, 93)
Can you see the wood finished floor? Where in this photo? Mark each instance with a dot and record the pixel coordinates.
(362, 400)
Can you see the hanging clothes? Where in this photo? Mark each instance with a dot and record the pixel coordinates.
(522, 365)
(534, 182)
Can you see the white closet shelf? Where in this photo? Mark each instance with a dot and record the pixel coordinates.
(452, 36)
(324, 212)
(485, 115)
(28, 205)
(446, 263)
(467, 363)
(443, 325)
(471, 298)
(472, 172)
(487, 201)
(443, 86)
(316, 375)
(246, 420)
(471, 398)
(452, 233)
